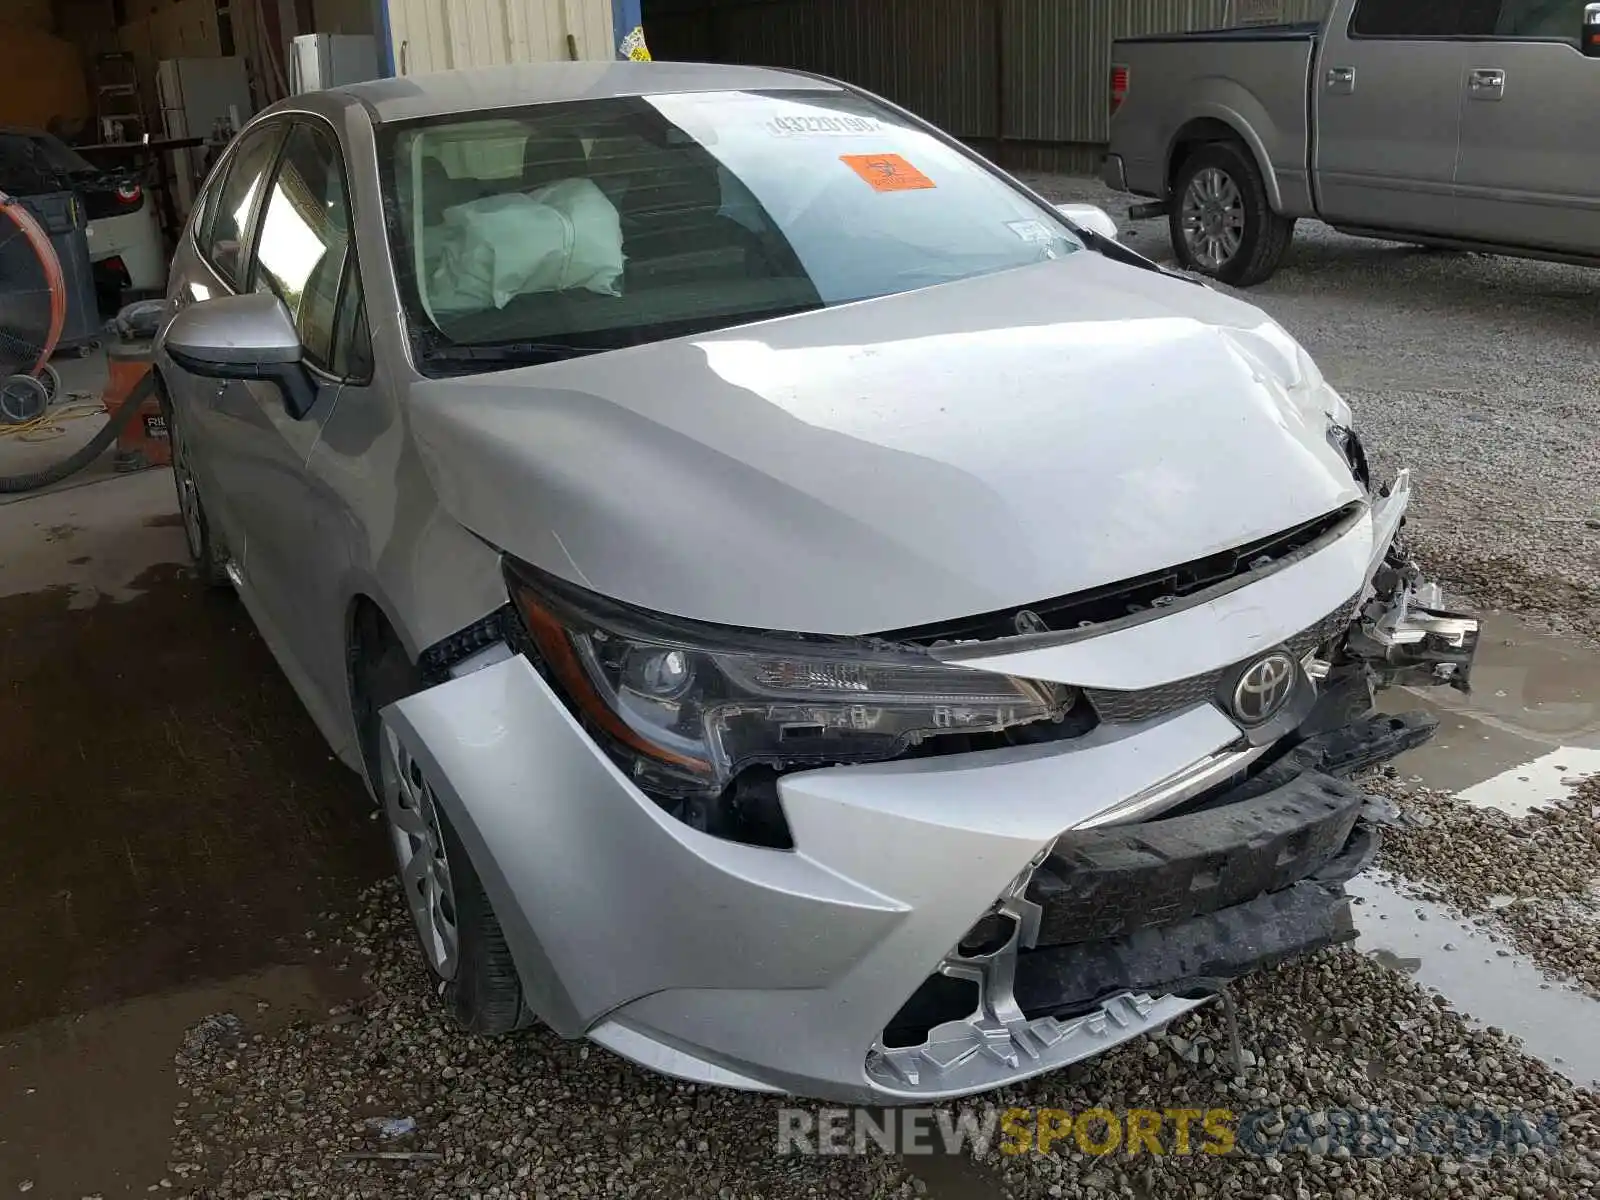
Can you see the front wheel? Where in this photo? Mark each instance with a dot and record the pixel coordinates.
(209, 556)
(1220, 220)
(460, 937)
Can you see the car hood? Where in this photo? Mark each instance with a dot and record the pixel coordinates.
(947, 452)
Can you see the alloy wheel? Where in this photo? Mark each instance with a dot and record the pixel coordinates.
(1213, 218)
(188, 494)
(420, 854)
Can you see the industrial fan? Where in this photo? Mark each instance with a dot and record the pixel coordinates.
(33, 309)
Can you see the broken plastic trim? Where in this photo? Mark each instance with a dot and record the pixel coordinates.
(1066, 619)
(442, 660)
(1405, 634)
(1041, 1007)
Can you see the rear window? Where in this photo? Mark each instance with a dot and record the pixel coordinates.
(1424, 18)
(604, 223)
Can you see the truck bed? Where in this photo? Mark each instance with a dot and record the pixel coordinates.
(1255, 78)
(1290, 32)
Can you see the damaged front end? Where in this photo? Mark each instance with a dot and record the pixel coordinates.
(1187, 896)
(934, 861)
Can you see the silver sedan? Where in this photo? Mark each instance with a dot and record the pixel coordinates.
(816, 617)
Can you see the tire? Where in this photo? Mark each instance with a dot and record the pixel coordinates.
(1220, 187)
(206, 551)
(475, 977)
(51, 378)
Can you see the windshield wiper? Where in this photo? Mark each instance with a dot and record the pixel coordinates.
(520, 353)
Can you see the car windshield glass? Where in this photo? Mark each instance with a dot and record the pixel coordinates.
(595, 224)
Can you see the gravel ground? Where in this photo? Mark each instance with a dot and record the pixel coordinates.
(1335, 1032)
(1477, 372)
(1534, 879)
(291, 1113)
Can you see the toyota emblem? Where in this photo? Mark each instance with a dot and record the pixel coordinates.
(1263, 688)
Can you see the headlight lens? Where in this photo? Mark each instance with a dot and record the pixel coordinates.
(685, 706)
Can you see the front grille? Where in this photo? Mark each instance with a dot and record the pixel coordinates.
(1126, 707)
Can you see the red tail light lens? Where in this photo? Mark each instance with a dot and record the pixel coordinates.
(1119, 86)
(129, 193)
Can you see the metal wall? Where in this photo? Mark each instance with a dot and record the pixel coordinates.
(945, 59)
(440, 35)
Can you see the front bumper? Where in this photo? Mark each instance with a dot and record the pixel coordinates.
(968, 880)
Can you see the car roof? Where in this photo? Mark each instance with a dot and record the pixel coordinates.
(446, 92)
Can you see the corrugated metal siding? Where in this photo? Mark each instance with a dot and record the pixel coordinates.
(440, 35)
(934, 56)
(939, 58)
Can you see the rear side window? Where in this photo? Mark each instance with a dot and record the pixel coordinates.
(229, 221)
(1424, 18)
(1541, 19)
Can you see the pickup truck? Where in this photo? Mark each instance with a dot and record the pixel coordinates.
(1459, 123)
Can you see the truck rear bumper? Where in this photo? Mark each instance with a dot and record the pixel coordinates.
(1113, 174)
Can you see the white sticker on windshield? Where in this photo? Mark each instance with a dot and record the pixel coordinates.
(1032, 231)
(826, 126)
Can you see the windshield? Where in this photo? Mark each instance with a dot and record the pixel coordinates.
(596, 224)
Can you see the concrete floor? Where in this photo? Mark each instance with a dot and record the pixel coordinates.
(82, 381)
(174, 825)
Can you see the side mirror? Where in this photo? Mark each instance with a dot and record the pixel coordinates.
(1589, 39)
(1090, 217)
(243, 337)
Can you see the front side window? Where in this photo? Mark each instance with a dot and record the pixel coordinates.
(596, 224)
(229, 221)
(304, 243)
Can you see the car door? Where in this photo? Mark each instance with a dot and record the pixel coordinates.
(1387, 102)
(1529, 168)
(302, 251)
(211, 261)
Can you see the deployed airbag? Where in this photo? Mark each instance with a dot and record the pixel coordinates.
(566, 235)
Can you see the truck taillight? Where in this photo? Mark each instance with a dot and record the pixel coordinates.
(1119, 86)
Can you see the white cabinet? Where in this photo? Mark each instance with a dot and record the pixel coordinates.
(442, 35)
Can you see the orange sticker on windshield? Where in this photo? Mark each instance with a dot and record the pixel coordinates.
(887, 172)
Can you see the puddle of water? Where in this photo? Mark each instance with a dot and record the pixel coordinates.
(87, 1101)
(1528, 731)
(953, 1177)
(1481, 977)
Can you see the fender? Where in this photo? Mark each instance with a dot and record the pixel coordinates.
(1279, 152)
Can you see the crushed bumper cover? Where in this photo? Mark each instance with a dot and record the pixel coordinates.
(1309, 843)
(1011, 876)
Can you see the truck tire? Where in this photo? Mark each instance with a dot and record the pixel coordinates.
(1220, 220)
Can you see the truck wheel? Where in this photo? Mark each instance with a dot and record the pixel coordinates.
(1221, 223)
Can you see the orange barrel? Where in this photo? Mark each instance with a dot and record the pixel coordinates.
(143, 441)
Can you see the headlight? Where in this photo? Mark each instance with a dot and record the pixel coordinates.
(684, 706)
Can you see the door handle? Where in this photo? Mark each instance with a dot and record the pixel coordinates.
(1341, 80)
(1486, 83)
